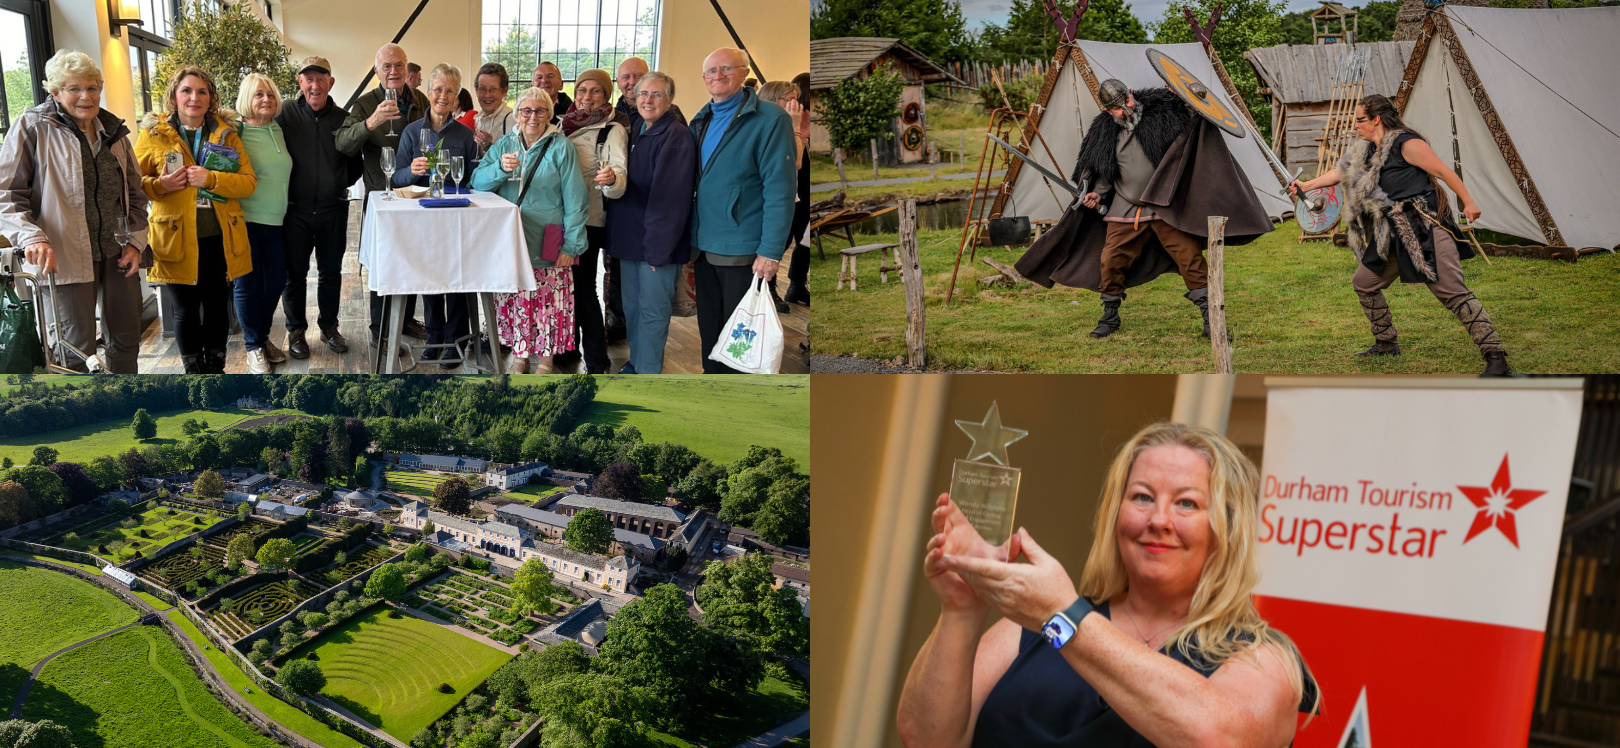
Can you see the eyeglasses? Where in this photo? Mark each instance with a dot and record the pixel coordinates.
(651, 95)
(482, 91)
(77, 91)
(531, 112)
(722, 70)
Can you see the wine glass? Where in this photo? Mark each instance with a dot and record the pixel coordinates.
(602, 154)
(391, 95)
(428, 138)
(458, 167)
(386, 161)
(523, 155)
(122, 235)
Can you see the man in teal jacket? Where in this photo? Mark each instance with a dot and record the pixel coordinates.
(745, 193)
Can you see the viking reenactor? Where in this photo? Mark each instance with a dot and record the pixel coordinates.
(1157, 172)
(1398, 227)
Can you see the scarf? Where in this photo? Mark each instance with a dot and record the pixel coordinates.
(1365, 205)
(580, 117)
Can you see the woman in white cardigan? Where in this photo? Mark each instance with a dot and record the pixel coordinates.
(594, 123)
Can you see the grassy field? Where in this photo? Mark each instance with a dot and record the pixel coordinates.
(134, 689)
(113, 436)
(422, 484)
(42, 611)
(388, 670)
(122, 543)
(1290, 307)
(717, 417)
(536, 491)
(87, 568)
(751, 714)
(49, 380)
(278, 710)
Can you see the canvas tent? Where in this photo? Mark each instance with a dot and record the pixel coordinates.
(1537, 135)
(1068, 102)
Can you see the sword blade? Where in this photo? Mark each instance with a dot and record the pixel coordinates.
(1048, 173)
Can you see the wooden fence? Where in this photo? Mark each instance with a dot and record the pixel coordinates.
(976, 74)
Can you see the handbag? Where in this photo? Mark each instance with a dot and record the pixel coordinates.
(551, 240)
(751, 341)
(20, 348)
(683, 298)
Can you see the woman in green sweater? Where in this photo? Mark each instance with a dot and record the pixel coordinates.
(259, 101)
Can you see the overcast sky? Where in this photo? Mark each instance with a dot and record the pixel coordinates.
(980, 12)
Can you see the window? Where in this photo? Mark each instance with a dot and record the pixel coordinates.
(575, 34)
(24, 48)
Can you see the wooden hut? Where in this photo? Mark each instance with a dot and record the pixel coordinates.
(1297, 80)
(832, 61)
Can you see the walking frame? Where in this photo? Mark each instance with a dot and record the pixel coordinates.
(55, 360)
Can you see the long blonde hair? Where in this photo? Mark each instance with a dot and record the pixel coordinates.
(1221, 621)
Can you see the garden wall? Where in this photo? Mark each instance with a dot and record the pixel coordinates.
(43, 522)
(322, 553)
(54, 552)
(376, 524)
(146, 558)
(237, 585)
(317, 602)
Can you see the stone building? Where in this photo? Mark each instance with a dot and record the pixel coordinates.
(649, 519)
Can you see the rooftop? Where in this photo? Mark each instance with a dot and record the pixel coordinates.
(572, 556)
(628, 508)
(577, 619)
(791, 572)
(526, 467)
(834, 60)
(1298, 73)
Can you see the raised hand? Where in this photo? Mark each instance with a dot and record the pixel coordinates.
(1026, 594)
(954, 536)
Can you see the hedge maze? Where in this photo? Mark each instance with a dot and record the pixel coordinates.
(273, 600)
(360, 559)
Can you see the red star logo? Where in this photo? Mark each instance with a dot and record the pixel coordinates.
(1498, 504)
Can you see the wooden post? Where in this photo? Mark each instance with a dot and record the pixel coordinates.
(1217, 295)
(838, 158)
(961, 148)
(874, 159)
(911, 276)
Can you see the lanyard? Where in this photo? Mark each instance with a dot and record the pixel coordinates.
(194, 142)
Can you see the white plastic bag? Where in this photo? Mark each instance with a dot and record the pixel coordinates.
(751, 341)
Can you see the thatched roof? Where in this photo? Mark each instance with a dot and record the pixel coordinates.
(1299, 73)
(834, 60)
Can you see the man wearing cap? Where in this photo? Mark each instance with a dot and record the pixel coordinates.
(1156, 171)
(375, 123)
(317, 205)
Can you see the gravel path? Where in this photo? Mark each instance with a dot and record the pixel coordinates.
(857, 365)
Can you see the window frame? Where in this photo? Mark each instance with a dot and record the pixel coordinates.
(536, 24)
(40, 46)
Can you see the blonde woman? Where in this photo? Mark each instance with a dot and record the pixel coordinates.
(1159, 643)
(259, 101)
(198, 232)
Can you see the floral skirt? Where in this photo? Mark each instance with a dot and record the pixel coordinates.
(539, 322)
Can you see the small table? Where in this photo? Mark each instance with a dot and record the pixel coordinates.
(847, 263)
(409, 249)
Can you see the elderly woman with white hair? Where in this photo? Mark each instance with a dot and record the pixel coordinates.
(259, 101)
(68, 180)
(551, 197)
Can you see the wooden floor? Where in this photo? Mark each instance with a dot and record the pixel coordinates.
(160, 355)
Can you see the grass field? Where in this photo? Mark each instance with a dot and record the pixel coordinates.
(1290, 307)
(49, 380)
(160, 527)
(134, 689)
(717, 417)
(388, 670)
(113, 436)
(278, 710)
(42, 611)
(422, 484)
(87, 568)
(536, 491)
(749, 715)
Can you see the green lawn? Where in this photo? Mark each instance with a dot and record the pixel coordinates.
(160, 527)
(388, 670)
(49, 380)
(134, 689)
(96, 570)
(751, 714)
(156, 602)
(113, 436)
(537, 491)
(717, 417)
(42, 611)
(422, 484)
(278, 710)
(1290, 307)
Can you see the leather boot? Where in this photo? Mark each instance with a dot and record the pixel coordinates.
(1382, 348)
(1496, 365)
(1110, 318)
(797, 294)
(216, 361)
(297, 346)
(1200, 298)
(193, 363)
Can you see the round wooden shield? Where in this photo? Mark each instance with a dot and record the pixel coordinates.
(1195, 93)
(913, 138)
(1319, 221)
(912, 113)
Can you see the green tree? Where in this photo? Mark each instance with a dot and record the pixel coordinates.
(338, 460)
(1244, 25)
(210, 486)
(653, 643)
(43, 456)
(858, 110)
(785, 518)
(1031, 35)
(701, 486)
(452, 496)
(240, 548)
(16, 506)
(654, 487)
(589, 531)
(42, 734)
(262, 650)
(935, 28)
(416, 554)
(204, 453)
(387, 583)
(741, 596)
(531, 587)
(593, 709)
(302, 677)
(106, 472)
(228, 42)
(135, 467)
(190, 427)
(45, 491)
(276, 553)
(143, 425)
(361, 477)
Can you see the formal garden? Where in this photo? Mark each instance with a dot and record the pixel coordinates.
(355, 561)
(481, 605)
(245, 612)
(422, 484)
(122, 537)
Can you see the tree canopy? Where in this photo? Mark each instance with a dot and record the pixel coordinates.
(209, 485)
(740, 596)
(936, 28)
(143, 425)
(589, 531)
(531, 587)
(387, 582)
(620, 480)
(452, 496)
(302, 677)
(276, 553)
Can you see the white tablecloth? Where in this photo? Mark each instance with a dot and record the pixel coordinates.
(409, 249)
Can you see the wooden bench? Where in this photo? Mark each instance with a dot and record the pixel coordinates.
(847, 263)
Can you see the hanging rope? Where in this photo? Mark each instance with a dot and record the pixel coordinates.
(1533, 77)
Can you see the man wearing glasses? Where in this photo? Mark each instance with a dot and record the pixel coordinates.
(745, 189)
(549, 78)
(375, 122)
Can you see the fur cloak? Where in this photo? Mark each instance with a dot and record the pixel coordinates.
(1195, 177)
(1377, 227)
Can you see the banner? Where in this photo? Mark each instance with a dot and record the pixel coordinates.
(1408, 541)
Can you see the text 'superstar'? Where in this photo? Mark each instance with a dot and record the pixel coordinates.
(990, 438)
(1498, 504)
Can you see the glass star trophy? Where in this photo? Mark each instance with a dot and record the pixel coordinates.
(987, 491)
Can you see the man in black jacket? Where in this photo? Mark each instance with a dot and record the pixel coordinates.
(627, 76)
(317, 206)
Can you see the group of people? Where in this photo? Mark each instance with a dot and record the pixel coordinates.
(223, 206)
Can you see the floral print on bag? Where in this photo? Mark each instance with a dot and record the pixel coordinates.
(539, 322)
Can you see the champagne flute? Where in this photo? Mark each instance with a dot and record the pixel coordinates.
(387, 163)
(391, 95)
(122, 235)
(458, 167)
(522, 154)
(602, 154)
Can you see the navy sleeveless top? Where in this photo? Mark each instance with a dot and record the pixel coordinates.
(1399, 179)
(1042, 702)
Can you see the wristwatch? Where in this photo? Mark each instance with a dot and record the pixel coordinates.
(1061, 627)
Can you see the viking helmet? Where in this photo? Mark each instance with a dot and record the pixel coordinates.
(1113, 93)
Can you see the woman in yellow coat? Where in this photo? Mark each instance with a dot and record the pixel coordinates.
(198, 234)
